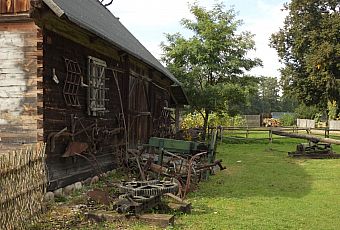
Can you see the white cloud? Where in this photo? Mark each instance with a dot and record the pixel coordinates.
(149, 20)
(151, 13)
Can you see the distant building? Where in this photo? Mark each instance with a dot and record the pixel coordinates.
(278, 115)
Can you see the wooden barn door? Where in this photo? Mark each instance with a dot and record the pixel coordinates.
(161, 116)
(139, 111)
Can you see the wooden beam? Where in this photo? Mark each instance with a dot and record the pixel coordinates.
(311, 138)
(76, 34)
(161, 220)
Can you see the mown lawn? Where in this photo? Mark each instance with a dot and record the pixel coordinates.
(260, 189)
(264, 189)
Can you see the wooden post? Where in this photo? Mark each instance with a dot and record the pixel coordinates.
(177, 118)
(221, 130)
(247, 133)
(270, 135)
(327, 132)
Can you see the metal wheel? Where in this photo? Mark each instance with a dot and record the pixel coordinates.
(151, 189)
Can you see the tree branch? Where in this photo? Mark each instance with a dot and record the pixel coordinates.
(107, 4)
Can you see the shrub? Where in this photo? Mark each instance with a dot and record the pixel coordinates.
(331, 107)
(192, 120)
(195, 120)
(288, 119)
(306, 112)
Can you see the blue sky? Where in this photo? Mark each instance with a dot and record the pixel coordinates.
(148, 21)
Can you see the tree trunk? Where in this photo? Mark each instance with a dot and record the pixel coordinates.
(205, 124)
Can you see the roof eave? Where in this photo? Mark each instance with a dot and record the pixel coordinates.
(54, 7)
(60, 13)
(181, 98)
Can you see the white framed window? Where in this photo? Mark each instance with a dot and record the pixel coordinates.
(96, 91)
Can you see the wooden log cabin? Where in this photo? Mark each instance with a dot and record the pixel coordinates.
(72, 76)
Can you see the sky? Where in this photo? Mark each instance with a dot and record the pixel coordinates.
(149, 20)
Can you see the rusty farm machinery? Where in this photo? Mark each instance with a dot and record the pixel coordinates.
(317, 147)
(164, 168)
(186, 162)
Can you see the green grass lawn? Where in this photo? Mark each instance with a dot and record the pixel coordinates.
(264, 189)
(260, 189)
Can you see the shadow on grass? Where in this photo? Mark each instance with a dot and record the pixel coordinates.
(257, 169)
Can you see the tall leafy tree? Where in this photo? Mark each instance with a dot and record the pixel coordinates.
(264, 96)
(269, 94)
(309, 46)
(211, 61)
(289, 103)
(252, 104)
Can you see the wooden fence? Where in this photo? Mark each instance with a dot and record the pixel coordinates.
(22, 186)
(252, 120)
(248, 132)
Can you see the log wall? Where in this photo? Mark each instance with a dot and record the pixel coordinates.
(18, 85)
(14, 6)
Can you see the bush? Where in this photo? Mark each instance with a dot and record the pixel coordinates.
(192, 120)
(332, 107)
(195, 120)
(288, 119)
(306, 112)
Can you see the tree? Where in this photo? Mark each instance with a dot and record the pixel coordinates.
(307, 112)
(106, 4)
(264, 97)
(269, 94)
(288, 102)
(211, 61)
(253, 103)
(309, 46)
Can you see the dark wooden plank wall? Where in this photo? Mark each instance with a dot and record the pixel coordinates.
(57, 115)
(32, 105)
(18, 85)
(139, 111)
(160, 99)
(146, 100)
(14, 6)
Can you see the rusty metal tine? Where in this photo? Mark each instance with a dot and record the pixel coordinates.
(173, 155)
(187, 184)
